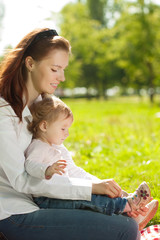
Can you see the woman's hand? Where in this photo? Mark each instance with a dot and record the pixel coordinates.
(143, 211)
(107, 187)
(57, 167)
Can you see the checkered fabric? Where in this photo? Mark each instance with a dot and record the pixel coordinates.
(151, 233)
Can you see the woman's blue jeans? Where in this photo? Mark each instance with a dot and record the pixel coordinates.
(98, 203)
(58, 219)
(68, 224)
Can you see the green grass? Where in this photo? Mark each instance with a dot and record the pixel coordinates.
(119, 139)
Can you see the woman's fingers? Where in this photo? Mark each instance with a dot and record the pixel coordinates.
(141, 211)
(132, 214)
(114, 190)
(107, 187)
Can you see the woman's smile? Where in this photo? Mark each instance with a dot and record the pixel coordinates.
(54, 85)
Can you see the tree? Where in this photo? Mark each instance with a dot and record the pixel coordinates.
(124, 53)
(77, 26)
(97, 10)
(138, 45)
(92, 63)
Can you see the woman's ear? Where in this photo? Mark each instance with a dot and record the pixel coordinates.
(29, 62)
(43, 126)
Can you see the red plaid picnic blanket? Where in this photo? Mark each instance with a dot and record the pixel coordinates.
(151, 233)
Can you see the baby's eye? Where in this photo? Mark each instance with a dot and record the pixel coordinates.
(63, 129)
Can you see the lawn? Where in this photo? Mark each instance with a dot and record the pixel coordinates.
(119, 139)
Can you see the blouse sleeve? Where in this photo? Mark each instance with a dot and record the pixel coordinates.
(12, 142)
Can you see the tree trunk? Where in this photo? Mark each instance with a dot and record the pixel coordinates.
(151, 83)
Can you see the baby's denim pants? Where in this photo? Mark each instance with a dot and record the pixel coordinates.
(98, 203)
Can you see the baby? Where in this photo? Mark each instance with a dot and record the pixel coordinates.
(47, 157)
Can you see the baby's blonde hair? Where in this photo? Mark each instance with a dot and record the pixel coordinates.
(48, 109)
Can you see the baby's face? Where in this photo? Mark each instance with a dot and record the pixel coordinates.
(58, 131)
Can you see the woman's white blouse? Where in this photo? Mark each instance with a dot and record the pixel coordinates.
(16, 186)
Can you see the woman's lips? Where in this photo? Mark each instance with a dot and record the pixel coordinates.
(54, 85)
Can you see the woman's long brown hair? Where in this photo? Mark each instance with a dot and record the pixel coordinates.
(13, 72)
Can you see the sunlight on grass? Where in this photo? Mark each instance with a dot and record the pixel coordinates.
(117, 139)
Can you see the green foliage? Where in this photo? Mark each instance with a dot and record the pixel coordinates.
(81, 31)
(97, 10)
(138, 37)
(118, 139)
(123, 52)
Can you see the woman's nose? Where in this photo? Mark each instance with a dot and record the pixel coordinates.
(61, 76)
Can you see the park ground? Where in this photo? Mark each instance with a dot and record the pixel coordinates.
(118, 138)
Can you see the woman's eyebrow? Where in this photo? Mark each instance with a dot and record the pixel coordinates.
(56, 65)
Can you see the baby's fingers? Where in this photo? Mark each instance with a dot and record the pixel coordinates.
(61, 163)
(59, 169)
(60, 172)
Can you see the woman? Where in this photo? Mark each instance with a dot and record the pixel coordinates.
(35, 67)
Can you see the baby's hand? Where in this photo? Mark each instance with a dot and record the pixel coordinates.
(57, 167)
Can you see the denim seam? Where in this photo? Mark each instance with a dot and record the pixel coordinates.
(23, 225)
(2, 236)
(43, 226)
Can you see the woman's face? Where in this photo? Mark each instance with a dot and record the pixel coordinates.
(46, 75)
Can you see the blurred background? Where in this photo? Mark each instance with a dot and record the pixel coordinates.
(115, 43)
